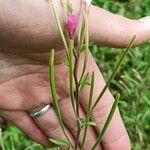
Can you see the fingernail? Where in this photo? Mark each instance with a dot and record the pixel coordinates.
(146, 20)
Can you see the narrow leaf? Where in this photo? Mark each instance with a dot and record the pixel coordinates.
(82, 48)
(65, 62)
(70, 7)
(114, 72)
(110, 116)
(85, 122)
(59, 142)
(91, 93)
(83, 82)
(91, 123)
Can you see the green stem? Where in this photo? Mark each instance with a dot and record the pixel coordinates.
(77, 98)
(59, 26)
(110, 116)
(84, 35)
(114, 72)
(88, 110)
(54, 94)
(71, 81)
(78, 135)
(86, 43)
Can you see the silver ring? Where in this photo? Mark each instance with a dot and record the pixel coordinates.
(41, 112)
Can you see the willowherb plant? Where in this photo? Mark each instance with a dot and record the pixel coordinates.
(72, 62)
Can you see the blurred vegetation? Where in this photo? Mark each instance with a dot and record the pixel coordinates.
(132, 82)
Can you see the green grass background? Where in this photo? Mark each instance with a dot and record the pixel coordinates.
(132, 82)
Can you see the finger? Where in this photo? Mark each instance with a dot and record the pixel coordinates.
(116, 136)
(48, 122)
(35, 25)
(24, 122)
(71, 122)
(116, 31)
(40, 32)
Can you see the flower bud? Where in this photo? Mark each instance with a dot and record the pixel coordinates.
(71, 25)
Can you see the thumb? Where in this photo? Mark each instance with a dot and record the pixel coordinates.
(116, 31)
(145, 29)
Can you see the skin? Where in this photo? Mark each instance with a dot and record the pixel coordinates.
(28, 32)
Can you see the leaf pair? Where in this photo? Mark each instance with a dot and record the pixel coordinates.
(85, 122)
(61, 143)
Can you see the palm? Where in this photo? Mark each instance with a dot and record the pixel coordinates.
(26, 81)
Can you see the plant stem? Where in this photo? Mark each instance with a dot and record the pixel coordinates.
(54, 95)
(86, 43)
(77, 98)
(110, 116)
(59, 27)
(71, 81)
(130, 45)
(88, 110)
(84, 35)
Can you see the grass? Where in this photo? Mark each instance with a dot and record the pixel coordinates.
(132, 82)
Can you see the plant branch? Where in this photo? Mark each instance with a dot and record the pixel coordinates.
(88, 109)
(130, 45)
(110, 116)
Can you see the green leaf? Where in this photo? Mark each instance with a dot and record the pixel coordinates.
(130, 45)
(86, 122)
(91, 123)
(59, 142)
(109, 118)
(82, 48)
(65, 62)
(83, 82)
(91, 93)
(70, 7)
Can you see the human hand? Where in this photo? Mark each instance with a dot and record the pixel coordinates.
(27, 62)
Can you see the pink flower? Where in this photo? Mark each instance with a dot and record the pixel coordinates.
(71, 25)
